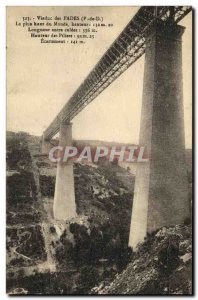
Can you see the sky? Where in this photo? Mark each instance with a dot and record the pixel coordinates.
(42, 77)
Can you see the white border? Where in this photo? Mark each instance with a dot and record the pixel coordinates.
(3, 4)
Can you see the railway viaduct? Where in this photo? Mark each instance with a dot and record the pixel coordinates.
(161, 188)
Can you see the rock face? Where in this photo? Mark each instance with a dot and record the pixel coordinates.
(25, 241)
(41, 250)
(50, 257)
(162, 265)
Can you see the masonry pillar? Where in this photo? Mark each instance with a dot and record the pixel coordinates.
(161, 186)
(64, 198)
(45, 146)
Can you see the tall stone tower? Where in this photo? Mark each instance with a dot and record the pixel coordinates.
(64, 197)
(161, 186)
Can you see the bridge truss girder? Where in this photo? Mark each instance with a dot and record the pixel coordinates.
(125, 50)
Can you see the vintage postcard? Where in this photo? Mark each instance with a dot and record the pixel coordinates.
(99, 150)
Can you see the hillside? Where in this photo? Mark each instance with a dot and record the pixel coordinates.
(162, 265)
(40, 249)
(45, 256)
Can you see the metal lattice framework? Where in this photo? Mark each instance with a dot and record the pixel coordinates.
(125, 50)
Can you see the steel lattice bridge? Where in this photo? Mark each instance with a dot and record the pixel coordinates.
(125, 50)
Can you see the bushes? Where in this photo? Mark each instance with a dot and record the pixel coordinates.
(21, 188)
(91, 245)
(47, 185)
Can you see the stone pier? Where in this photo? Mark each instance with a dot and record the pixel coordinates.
(161, 186)
(45, 146)
(64, 198)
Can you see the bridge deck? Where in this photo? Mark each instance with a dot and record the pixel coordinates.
(125, 50)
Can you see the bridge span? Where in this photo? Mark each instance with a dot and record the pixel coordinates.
(125, 50)
(161, 187)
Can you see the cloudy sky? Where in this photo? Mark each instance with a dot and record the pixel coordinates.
(42, 77)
